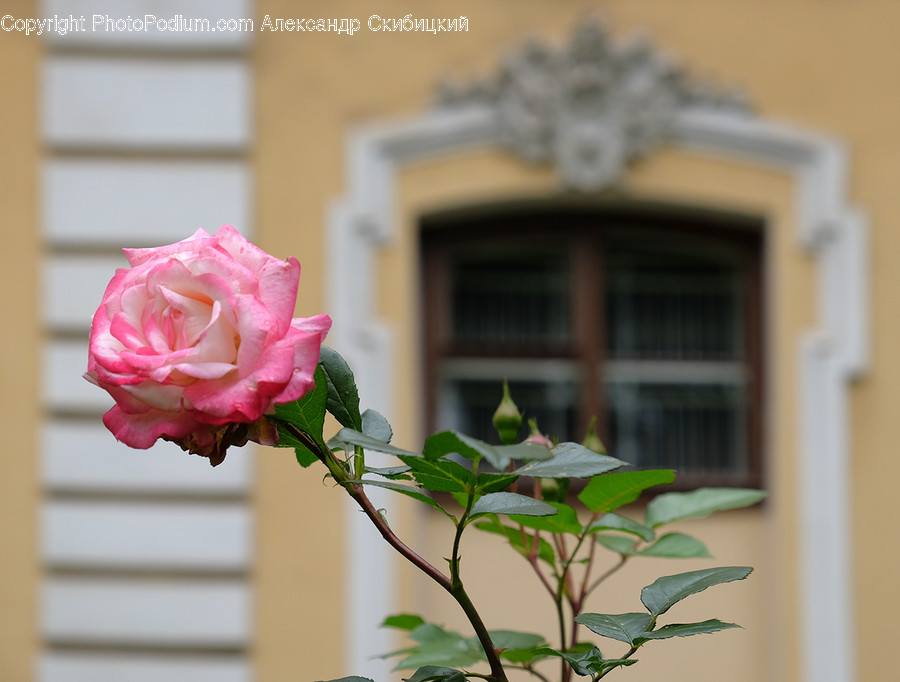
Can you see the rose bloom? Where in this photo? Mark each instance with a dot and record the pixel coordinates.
(196, 343)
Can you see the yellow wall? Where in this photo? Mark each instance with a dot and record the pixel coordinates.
(18, 352)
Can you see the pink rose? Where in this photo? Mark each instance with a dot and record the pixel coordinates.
(196, 342)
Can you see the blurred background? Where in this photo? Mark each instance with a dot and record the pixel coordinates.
(678, 218)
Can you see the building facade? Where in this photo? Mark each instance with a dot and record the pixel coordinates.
(750, 146)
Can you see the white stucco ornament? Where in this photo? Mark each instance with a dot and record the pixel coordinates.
(590, 106)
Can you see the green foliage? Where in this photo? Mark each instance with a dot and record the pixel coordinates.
(524, 543)
(612, 521)
(306, 414)
(590, 661)
(434, 673)
(436, 646)
(677, 546)
(635, 629)
(608, 493)
(511, 503)
(626, 627)
(667, 591)
(403, 621)
(447, 443)
(518, 647)
(697, 504)
(493, 483)
(570, 460)
(375, 425)
(343, 396)
(618, 544)
(348, 436)
(453, 443)
(443, 475)
(688, 629)
(542, 526)
(564, 520)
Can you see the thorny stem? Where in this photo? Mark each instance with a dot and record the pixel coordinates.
(533, 557)
(565, 673)
(453, 584)
(575, 602)
(462, 598)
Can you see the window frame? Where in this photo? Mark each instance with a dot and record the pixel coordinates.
(586, 227)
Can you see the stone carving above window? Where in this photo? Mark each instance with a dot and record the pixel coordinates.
(591, 106)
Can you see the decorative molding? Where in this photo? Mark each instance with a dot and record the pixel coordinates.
(833, 352)
(591, 106)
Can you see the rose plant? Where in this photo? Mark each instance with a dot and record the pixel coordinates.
(196, 343)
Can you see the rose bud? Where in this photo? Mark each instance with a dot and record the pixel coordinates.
(507, 419)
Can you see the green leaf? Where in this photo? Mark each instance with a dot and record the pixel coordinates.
(611, 491)
(616, 522)
(630, 628)
(688, 629)
(526, 451)
(570, 460)
(616, 543)
(669, 590)
(511, 503)
(696, 504)
(523, 545)
(398, 472)
(518, 647)
(343, 396)
(306, 414)
(584, 662)
(444, 475)
(305, 456)
(434, 673)
(374, 424)
(438, 647)
(354, 437)
(588, 662)
(403, 621)
(452, 442)
(407, 490)
(494, 483)
(564, 521)
(677, 546)
(353, 678)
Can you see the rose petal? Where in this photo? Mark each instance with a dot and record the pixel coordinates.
(144, 429)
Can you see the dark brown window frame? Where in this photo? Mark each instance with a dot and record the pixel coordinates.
(588, 225)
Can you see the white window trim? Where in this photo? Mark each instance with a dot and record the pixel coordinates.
(833, 352)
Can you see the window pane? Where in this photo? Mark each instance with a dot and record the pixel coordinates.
(649, 321)
(675, 378)
(672, 306)
(694, 428)
(510, 297)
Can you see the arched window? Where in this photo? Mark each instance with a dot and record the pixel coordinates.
(647, 317)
